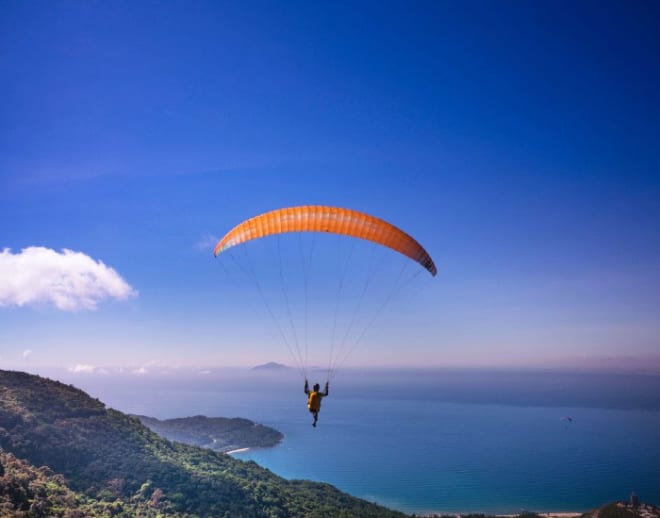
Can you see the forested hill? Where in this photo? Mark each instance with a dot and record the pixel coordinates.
(79, 458)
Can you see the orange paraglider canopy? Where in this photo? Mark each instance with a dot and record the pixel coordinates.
(320, 218)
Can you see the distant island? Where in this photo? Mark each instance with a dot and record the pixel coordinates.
(271, 366)
(217, 433)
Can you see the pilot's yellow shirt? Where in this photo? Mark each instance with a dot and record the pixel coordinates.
(314, 401)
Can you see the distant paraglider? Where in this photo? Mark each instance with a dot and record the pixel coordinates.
(567, 420)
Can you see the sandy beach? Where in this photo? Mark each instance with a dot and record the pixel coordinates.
(563, 514)
(238, 450)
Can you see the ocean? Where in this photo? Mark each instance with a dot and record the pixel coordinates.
(424, 441)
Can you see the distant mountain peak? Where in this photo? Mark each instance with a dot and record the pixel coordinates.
(271, 366)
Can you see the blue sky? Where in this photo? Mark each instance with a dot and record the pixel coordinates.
(517, 141)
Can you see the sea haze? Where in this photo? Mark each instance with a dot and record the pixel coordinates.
(433, 440)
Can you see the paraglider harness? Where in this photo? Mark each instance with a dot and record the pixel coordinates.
(314, 399)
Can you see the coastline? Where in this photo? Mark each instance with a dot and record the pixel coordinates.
(561, 514)
(550, 514)
(252, 448)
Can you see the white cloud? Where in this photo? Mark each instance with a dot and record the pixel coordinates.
(26, 354)
(141, 370)
(207, 243)
(82, 368)
(68, 280)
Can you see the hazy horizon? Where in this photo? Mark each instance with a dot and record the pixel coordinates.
(535, 387)
(623, 364)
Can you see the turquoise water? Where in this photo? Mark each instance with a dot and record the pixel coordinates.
(439, 441)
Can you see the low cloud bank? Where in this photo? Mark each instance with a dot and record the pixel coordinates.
(68, 280)
(207, 243)
(82, 368)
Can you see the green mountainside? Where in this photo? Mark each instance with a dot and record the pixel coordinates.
(27, 491)
(79, 458)
(216, 433)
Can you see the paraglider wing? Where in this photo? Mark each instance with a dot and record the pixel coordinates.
(320, 218)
